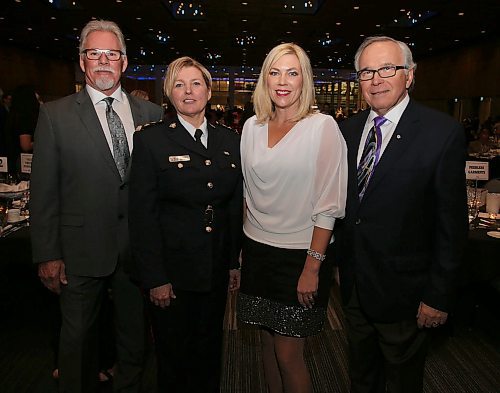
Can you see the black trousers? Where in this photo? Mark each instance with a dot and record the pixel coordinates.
(384, 357)
(81, 302)
(188, 340)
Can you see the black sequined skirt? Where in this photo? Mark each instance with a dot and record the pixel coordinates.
(268, 292)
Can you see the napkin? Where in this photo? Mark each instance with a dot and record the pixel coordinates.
(22, 186)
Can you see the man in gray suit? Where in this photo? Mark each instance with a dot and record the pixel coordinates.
(79, 198)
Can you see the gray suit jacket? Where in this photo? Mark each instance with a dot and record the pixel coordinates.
(78, 202)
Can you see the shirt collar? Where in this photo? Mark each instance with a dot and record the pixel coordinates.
(191, 129)
(97, 96)
(394, 114)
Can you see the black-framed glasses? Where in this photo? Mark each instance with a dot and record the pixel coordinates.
(111, 54)
(383, 72)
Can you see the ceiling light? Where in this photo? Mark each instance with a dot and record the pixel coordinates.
(356, 7)
(461, 14)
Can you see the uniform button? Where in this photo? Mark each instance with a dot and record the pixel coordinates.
(233, 165)
(208, 229)
(208, 162)
(210, 184)
(180, 165)
(358, 221)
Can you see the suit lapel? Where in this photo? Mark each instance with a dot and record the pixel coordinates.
(182, 137)
(353, 136)
(89, 118)
(401, 140)
(137, 114)
(214, 139)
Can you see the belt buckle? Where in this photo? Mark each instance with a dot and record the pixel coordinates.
(209, 218)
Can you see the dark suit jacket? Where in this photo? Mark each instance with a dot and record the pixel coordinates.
(78, 202)
(402, 243)
(168, 199)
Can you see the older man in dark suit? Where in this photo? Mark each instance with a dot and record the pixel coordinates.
(79, 208)
(405, 224)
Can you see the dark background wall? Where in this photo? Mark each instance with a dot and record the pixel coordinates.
(453, 82)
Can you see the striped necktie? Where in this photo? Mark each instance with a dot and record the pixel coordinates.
(121, 152)
(370, 156)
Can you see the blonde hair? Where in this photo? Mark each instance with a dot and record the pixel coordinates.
(176, 66)
(264, 107)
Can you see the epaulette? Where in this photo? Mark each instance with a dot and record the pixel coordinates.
(143, 126)
(226, 127)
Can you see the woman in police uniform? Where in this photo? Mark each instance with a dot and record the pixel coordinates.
(185, 227)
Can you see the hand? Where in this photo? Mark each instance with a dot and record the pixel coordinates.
(307, 288)
(234, 279)
(430, 317)
(53, 274)
(161, 296)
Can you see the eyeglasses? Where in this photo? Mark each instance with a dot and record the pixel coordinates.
(383, 72)
(111, 54)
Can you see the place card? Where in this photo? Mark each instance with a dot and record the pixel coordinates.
(4, 165)
(476, 170)
(26, 159)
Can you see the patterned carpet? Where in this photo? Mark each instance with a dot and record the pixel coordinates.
(467, 361)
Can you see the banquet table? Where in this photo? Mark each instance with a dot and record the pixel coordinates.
(482, 257)
(478, 292)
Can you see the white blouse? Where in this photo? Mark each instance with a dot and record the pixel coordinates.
(299, 183)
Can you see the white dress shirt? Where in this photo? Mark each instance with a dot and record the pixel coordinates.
(387, 129)
(297, 184)
(121, 107)
(191, 129)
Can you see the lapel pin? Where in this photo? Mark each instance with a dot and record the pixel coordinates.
(398, 136)
(226, 153)
(173, 125)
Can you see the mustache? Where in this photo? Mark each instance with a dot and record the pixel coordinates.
(103, 68)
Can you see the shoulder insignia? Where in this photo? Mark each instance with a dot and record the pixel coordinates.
(143, 126)
(226, 127)
(173, 125)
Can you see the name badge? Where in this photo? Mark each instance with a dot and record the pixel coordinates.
(179, 158)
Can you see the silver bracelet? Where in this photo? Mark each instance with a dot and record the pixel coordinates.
(316, 255)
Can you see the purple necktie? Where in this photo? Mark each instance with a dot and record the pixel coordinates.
(370, 156)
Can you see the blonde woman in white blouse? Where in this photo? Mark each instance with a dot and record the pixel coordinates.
(295, 170)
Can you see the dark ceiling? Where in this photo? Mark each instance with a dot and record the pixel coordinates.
(235, 33)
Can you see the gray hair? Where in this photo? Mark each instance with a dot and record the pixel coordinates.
(102, 25)
(409, 63)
